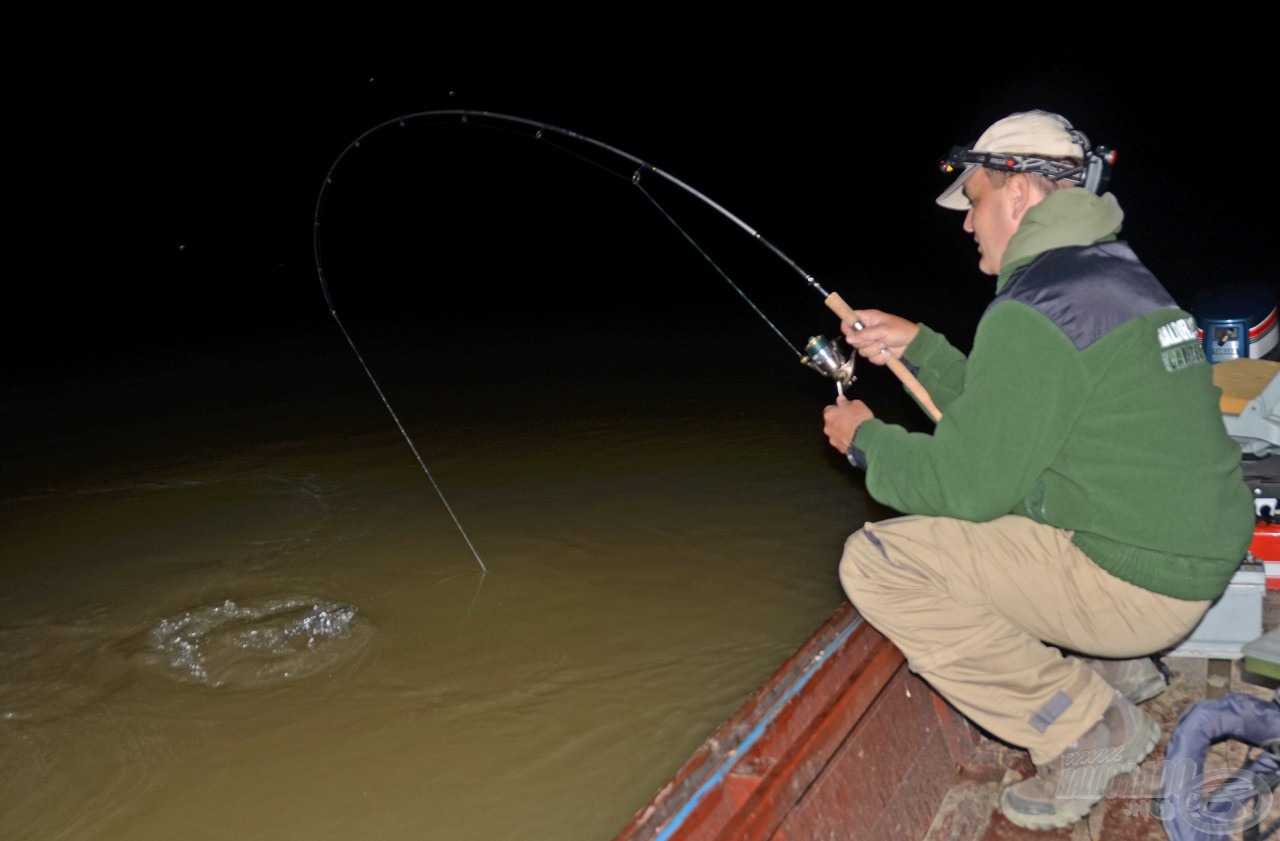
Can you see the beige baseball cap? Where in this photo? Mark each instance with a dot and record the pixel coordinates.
(1024, 133)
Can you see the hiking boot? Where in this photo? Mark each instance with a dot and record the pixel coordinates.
(1066, 788)
(1137, 680)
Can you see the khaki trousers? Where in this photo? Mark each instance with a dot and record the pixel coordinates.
(972, 606)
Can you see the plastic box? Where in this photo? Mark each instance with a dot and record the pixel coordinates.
(1234, 619)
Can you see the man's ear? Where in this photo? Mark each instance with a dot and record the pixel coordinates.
(1026, 194)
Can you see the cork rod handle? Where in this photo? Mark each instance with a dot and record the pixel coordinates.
(837, 305)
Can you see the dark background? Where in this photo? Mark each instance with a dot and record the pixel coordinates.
(165, 209)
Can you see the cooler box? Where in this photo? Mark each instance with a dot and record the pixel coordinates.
(1234, 620)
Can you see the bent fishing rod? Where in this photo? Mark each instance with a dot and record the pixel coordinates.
(819, 354)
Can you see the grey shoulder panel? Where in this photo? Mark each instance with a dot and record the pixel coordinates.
(1087, 291)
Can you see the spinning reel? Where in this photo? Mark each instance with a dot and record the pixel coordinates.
(825, 357)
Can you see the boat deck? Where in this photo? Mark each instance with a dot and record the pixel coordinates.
(845, 743)
(969, 813)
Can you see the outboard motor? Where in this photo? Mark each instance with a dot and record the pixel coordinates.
(1238, 321)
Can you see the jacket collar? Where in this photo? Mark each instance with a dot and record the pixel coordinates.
(1066, 217)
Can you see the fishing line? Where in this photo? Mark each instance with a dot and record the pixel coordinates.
(416, 454)
(818, 354)
(714, 264)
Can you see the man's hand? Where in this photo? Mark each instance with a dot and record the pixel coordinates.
(882, 334)
(841, 421)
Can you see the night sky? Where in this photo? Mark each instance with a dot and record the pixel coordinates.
(166, 208)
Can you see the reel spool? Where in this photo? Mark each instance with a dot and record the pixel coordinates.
(825, 357)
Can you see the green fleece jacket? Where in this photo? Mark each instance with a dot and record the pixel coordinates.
(1086, 403)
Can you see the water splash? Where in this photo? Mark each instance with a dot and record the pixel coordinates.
(232, 644)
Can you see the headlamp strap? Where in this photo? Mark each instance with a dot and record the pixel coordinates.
(1093, 173)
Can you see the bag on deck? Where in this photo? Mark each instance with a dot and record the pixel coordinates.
(1206, 806)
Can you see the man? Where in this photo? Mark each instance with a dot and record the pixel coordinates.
(1079, 495)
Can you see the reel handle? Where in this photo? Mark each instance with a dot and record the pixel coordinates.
(837, 305)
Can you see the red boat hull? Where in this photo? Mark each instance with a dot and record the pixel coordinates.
(843, 742)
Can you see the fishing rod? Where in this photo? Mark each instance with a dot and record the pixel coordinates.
(819, 353)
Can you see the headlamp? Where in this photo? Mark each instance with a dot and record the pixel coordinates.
(1094, 174)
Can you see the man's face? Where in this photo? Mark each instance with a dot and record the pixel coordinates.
(993, 217)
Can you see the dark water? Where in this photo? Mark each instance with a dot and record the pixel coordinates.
(232, 603)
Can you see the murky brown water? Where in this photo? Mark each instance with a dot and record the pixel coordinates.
(256, 619)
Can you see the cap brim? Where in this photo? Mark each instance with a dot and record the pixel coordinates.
(953, 198)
